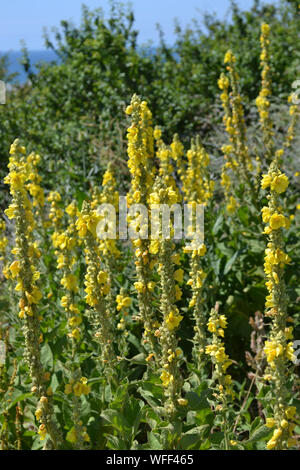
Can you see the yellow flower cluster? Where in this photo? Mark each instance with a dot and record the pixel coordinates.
(278, 347)
(197, 187)
(97, 283)
(263, 99)
(66, 243)
(73, 435)
(170, 278)
(140, 150)
(108, 195)
(216, 350)
(79, 387)
(56, 213)
(285, 428)
(123, 302)
(3, 240)
(24, 270)
(140, 163)
(236, 153)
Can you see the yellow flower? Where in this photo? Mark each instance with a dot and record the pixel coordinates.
(178, 275)
(70, 282)
(38, 413)
(270, 422)
(34, 296)
(173, 321)
(279, 183)
(154, 247)
(178, 292)
(102, 277)
(139, 286)
(265, 29)
(229, 57)
(266, 214)
(290, 412)
(277, 221)
(14, 268)
(71, 436)
(166, 378)
(75, 334)
(182, 401)
(42, 432)
(272, 350)
(68, 389)
(266, 181)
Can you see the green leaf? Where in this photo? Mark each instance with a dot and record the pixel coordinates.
(261, 432)
(197, 402)
(230, 263)
(154, 443)
(46, 356)
(192, 438)
(217, 224)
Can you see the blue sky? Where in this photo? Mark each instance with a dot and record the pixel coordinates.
(25, 19)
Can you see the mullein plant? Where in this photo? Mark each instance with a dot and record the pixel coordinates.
(263, 102)
(236, 153)
(140, 164)
(197, 189)
(223, 395)
(278, 346)
(263, 99)
(7, 387)
(170, 279)
(108, 246)
(97, 287)
(66, 243)
(24, 271)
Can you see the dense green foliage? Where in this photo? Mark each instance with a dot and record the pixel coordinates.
(72, 113)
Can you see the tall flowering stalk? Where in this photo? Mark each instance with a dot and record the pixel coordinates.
(24, 270)
(140, 164)
(262, 101)
(97, 285)
(278, 347)
(109, 250)
(223, 394)
(197, 189)
(66, 243)
(236, 153)
(171, 318)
